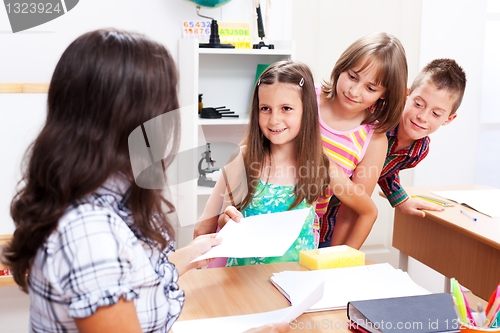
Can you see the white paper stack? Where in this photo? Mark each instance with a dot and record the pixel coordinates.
(343, 285)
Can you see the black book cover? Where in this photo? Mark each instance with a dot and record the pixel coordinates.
(423, 314)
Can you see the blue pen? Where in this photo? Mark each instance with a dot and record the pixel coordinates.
(468, 215)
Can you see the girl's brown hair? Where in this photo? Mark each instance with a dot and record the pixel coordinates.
(388, 55)
(312, 164)
(106, 84)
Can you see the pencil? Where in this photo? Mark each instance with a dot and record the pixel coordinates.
(433, 200)
(493, 311)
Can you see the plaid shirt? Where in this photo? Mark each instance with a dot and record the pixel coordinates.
(389, 181)
(93, 258)
(395, 161)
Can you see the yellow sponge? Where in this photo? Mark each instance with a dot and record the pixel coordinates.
(332, 257)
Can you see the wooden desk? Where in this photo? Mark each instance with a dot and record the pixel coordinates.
(5, 281)
(218, 292)
(451, 243)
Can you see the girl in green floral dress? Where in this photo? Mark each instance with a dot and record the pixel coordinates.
(281, 166)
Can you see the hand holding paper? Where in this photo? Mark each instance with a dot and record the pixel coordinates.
(256, 236)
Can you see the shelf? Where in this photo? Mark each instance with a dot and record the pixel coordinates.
(223, 121)
(283, 48)
(5, 238)
(225, 77)
(7, 281)
(203, 190)
(24, 87)
(281, 52)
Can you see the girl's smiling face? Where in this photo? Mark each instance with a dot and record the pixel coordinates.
(357, 89)
(280, 112)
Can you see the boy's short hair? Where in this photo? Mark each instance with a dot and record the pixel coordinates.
(444, 74)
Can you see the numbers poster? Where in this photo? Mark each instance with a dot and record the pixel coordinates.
(236, 33)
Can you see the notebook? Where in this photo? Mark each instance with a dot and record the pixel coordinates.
(483, 201)
(431, 313)
(347, 284)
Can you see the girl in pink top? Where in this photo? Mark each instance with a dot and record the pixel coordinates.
(363, 99)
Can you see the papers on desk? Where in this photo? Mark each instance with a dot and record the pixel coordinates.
(256, 236)
(343, 285)
(484, 201)
(242, 323)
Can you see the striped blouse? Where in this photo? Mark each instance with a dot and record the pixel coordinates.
(346, 148)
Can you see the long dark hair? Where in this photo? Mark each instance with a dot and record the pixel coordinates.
(106, 84)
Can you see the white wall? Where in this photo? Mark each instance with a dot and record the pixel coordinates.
(323, 29)
(453, 29)
(30, 56)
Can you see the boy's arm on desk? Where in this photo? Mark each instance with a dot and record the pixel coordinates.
(415, 205)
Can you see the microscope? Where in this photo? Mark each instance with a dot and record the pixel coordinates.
(203, 180)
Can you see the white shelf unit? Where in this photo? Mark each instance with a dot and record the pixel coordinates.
(225, 77)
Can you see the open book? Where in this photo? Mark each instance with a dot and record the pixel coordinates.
(343, 285)
(483, 201)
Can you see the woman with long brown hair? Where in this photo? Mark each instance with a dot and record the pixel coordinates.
(98, 247)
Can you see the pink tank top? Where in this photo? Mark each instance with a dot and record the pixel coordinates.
(346, 148)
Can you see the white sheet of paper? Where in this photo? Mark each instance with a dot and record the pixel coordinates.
(343, 285)
(484, 201)
(266, 235)
(233, 324)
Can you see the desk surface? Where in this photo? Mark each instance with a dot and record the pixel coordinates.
(451, 243)
(218, 292)
(485, 229)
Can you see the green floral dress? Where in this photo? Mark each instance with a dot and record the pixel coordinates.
(271, 198)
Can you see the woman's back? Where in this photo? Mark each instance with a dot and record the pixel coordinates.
(94, 257)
